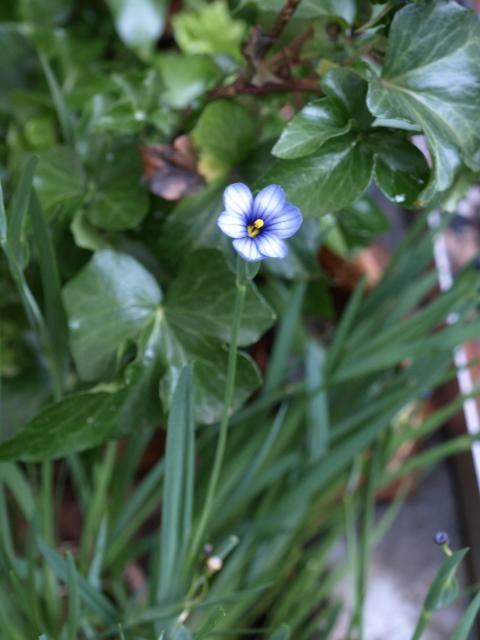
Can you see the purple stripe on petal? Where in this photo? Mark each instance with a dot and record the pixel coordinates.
(271, 246)
(233, 224)
(238, 198)
(269, 202)
(247, 249)
(286, 223)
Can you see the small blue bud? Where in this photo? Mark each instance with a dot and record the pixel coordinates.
(441, 538)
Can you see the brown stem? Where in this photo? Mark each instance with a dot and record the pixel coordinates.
(281, 21)
(291, 85)
(292, 50)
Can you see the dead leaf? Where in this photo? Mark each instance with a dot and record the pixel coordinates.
(170, 171)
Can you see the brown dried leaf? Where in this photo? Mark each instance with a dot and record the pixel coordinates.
(170, 171)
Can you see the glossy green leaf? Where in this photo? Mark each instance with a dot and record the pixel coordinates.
(186, 77)
(349, 89)
(119, 199)
(356, 226)
(85, 420)
(308, 130)
(301, 261)
(400, 169)
(107, 303)
(60, 182)
(114, 299)
(334, 177)
(210, 366)
(202, 298)
(139, 23)
(86, 236)
(192, 225)
(209, 30)
(431, 77)
(198, 312)
(344, 108)
(224, 134)
(79, 422)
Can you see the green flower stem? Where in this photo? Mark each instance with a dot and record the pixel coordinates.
(223, 433)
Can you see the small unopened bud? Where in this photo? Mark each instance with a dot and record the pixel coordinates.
(214, 564)
(208, 549)
(441, 538)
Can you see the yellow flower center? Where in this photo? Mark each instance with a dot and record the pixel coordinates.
(254, 229)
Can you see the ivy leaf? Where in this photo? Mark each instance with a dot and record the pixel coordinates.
(81, 421)
(119, 200)
(109, 302)
(59, 182)
(343, 108)
(308, 130)
(331, 179)
(202, 298)
(139, 23)
(348, 88)
(198, 312)
(85, 420)
(210, 30)
(400, 169)
(192, 225)
(114, 300)
(301, 261)
(355, 227)
(224, 134)
(431, 77)
(210, 359)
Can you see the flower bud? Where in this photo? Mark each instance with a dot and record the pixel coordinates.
(214, 564)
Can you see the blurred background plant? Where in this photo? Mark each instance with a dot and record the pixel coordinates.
(122, 122)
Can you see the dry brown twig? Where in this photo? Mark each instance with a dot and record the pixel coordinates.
(255, 50)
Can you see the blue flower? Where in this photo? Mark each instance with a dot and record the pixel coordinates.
(259, 226)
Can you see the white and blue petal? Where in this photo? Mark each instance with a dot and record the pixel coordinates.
(271, 246)
(286, 223)
(269, 202)
(233, 224)
(238, 198)
(247, 249)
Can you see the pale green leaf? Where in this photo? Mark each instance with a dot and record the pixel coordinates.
(209, 30)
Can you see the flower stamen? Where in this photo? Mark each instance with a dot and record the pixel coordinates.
(254, 229)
